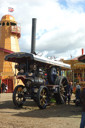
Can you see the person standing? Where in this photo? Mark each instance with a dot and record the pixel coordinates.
(68, 92)
(78, 86)
(82, 97)
(3, 87)
(77, 94)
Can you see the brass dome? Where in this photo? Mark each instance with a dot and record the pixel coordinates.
(8, 18)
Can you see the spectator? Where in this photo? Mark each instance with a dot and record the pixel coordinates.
(82, 97)
(78, 86)
(68, 92)
(3, 87)
(78, 90)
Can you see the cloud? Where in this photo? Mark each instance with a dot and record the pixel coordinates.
(60, 25)
(68, 34)
(75, 1)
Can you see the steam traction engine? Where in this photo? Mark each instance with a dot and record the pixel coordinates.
(41, 77)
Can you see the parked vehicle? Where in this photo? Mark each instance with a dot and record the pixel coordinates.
(40, 77)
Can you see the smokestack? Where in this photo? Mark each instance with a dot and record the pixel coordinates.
(33, 42)
(82, 51)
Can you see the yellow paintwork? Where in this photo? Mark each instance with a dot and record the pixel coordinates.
(8, 18)
(9, 41)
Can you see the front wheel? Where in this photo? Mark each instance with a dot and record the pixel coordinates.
(42, 97)
(18, 96)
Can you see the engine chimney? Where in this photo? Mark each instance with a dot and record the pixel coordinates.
(82, 51)
(33, 36)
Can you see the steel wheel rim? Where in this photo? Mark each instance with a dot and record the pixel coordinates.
(19, 95)
(43, 97)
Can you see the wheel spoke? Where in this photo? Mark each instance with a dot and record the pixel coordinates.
(43, 97)
(41, 102)
(43, 91)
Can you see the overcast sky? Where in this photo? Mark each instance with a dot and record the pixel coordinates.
(60, 29)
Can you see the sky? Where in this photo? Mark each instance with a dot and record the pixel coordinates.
(60, 27)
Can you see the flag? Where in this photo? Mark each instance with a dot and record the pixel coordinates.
(10, 9)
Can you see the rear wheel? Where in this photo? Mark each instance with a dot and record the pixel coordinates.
(60, 96)
(18, 96)
(42, 97)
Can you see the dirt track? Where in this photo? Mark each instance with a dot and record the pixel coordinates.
(30, 116)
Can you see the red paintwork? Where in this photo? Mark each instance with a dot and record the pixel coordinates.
(6, 50)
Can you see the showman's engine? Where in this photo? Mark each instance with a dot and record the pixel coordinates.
(41, 76)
